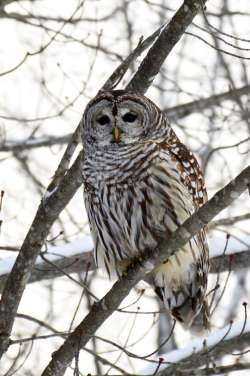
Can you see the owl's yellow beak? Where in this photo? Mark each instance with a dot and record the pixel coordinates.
(117, 134)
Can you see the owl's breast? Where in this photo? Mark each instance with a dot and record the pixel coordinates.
(130, 209)
(127, 219)
(123, 212)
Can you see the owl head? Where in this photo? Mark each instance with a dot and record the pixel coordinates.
(117, 118)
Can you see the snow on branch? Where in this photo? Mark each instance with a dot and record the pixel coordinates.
(67, 258)
(195, 353)
(77, 257)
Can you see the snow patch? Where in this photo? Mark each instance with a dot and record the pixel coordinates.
(196, 345)
(73, 248)
(85, 244)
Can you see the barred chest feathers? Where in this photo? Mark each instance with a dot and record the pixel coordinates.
(115, 197)
(129, 211)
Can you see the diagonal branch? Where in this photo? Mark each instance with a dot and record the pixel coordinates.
(111, 301)
(48, 211)
(168, 38)
(78, 257)
(121, 70)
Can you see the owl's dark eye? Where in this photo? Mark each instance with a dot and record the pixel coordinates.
(129, 117)
(103, 120)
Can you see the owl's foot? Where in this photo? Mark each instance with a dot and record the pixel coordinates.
(133, 263)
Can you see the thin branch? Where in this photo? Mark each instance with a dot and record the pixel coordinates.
(120, 71)
(229, 221)
(43, 324)
(168, 38)
(216, 149)
(65, 161)
(180, 111)
(187, 365)
(17, 146)
(44, 47)
(41, 18)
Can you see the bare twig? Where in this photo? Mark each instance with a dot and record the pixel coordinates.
(17, 146)
(120, 71)
(168, 38)
(180, 111)
(229, 221)
(44, 47)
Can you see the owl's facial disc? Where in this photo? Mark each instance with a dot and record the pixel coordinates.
(117, 120)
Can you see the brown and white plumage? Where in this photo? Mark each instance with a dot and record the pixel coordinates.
(140, 184)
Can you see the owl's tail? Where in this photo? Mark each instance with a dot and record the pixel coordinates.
(181, 283)
(194, 319)
(192, 311)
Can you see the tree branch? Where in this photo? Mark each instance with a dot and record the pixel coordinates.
(17, 146)
(120, 71)
(168, 38)
(229, 221)
(84, 261)
(180, 111)
(48, 211)
(214, 348)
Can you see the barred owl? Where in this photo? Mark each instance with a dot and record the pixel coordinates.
(140, 184)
